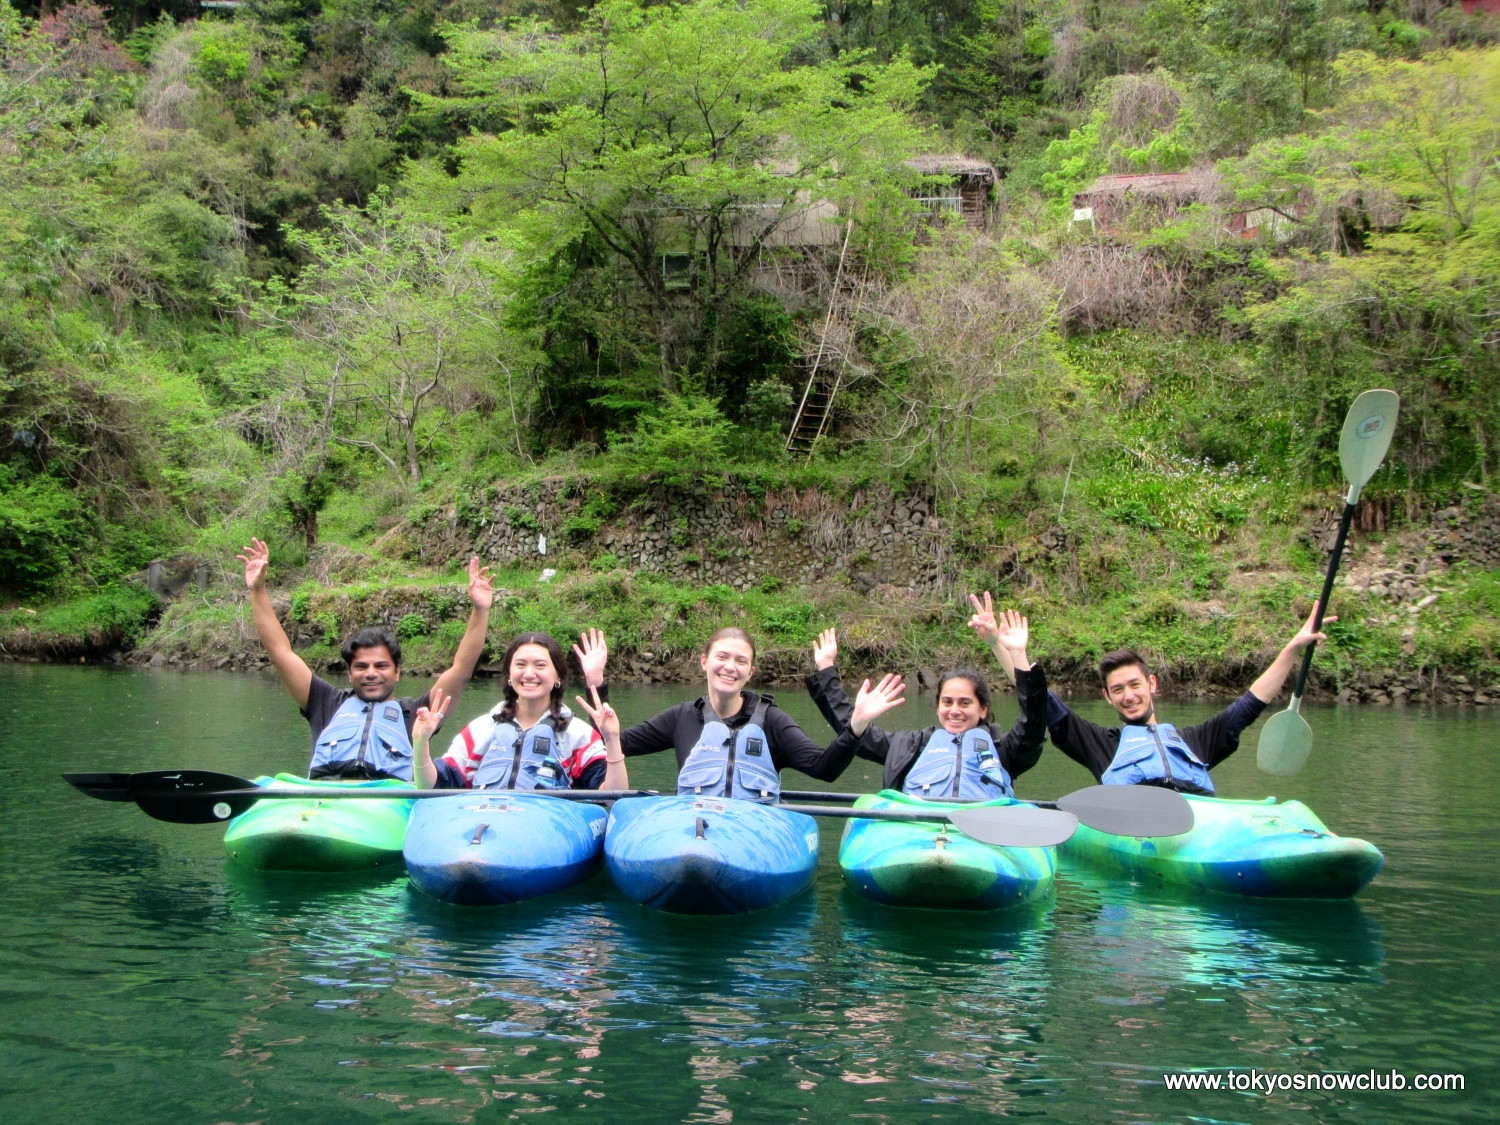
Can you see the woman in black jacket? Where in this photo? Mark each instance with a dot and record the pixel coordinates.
(965, 756)
(732, 742)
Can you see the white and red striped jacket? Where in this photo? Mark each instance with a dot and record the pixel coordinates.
(578, 745)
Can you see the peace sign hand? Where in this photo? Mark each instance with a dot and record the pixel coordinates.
(430, 718)
(606, 722)
(983, 622)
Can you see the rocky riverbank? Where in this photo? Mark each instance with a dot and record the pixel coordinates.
(1419, 608)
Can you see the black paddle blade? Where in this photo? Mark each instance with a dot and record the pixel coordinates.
(1130, 810)
(101, 786)
(191, 796)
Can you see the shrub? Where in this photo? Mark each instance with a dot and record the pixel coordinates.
(1134, 513)
(42, 525)
(675, 443)
(411, 626)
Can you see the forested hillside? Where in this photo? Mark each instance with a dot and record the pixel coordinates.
(337, 273)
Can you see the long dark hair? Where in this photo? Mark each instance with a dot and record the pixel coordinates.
(559, 665)
(977, 679)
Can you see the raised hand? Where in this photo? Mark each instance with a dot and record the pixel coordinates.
(1010, 642)
(1268, 684)
(871, 703)
(593, 653)
(606, 722)
(983, 622)
(257, 558)
(1014, 630)
(1305, 635)
(481, 589)
(826, 649)
(430, 718)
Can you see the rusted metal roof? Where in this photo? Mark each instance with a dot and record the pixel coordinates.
(1161, 185)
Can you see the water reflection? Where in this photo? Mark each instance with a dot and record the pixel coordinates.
(141, 972)
(1176, 935)
(952, 1000)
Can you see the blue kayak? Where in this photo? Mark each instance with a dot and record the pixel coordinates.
(709, 855)
(480, 849)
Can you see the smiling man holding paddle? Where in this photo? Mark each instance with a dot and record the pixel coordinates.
(1142, 750)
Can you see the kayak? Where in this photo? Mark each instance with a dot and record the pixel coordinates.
(1259, 848)
(313, 835)
(707, 855)
(482, 849)
(933, 864)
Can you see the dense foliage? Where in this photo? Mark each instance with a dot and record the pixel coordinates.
(304, 267)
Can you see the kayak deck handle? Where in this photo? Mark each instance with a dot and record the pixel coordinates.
(702, 829)
(478, 834)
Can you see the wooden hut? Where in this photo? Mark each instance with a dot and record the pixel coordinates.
(969, 190)
(1114, 203)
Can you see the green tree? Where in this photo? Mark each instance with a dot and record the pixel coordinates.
(682, 140)
(1304, 36)
(407, 322)
(1405, 178)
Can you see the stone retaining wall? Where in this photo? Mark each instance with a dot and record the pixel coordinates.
(732, 535)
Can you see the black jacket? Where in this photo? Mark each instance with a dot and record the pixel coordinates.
(1094, 746)
(679, 728)
(1020, 747)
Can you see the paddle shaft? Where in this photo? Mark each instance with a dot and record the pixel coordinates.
(205, 797)
(316, 793)
(1013, 826)
(1333, 568)
(818, 795)
(839, 813)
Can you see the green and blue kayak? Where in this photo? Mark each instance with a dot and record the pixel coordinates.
(1259, 848)
(313, 835)
(932, 864)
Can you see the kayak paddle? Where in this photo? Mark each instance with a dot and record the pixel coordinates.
(205, 797)
(1004, 826)
(102, 786)
(1286, 739)
(1121, 810)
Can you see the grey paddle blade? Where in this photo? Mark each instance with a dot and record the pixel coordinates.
(1285, 742)
(101, 786)
(1368, 429)
(1130, 810)
(1015, 826)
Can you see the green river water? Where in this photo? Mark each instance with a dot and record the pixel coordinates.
(144, 979)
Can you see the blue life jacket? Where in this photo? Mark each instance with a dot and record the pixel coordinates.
(366, 740)
(517, 761)
(1157, 755)
(967, 767)
(736, 764)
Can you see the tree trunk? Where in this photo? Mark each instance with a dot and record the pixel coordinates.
(413, 466)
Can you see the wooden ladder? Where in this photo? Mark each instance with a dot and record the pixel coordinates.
(816, 407)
